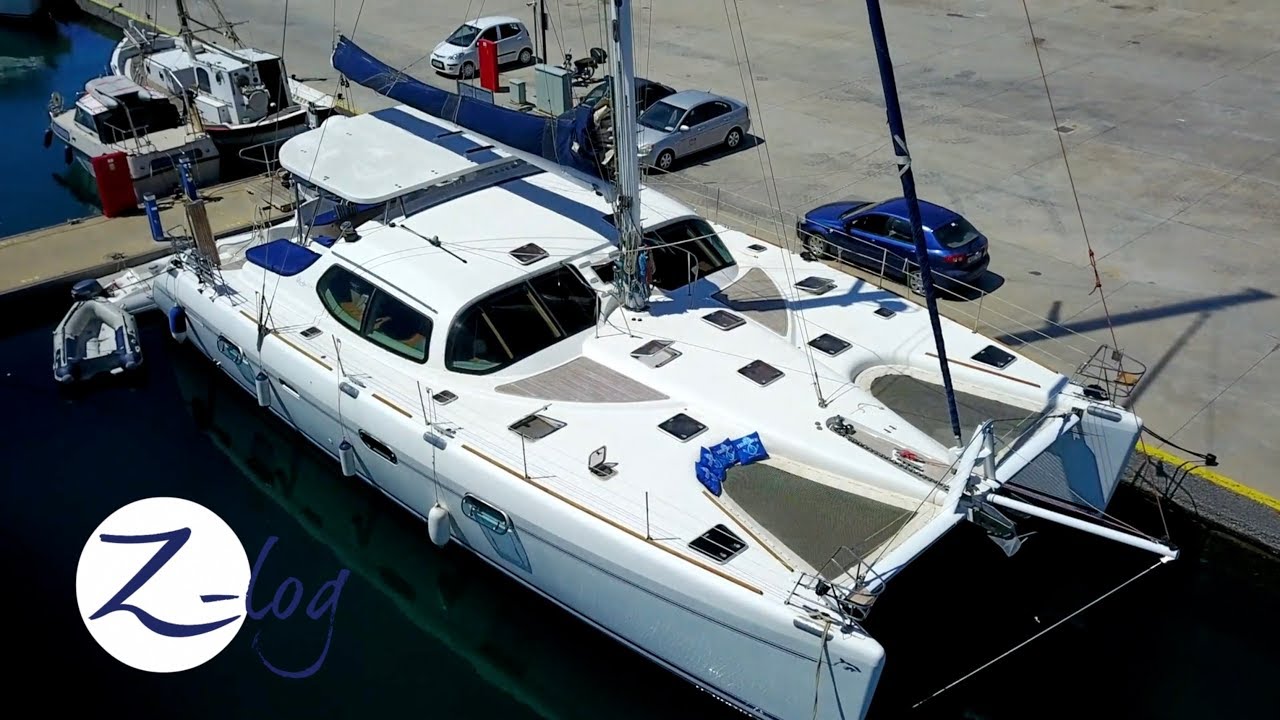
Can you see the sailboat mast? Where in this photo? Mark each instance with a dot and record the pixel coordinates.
(632, 288)
(898, 134)
(184, 28)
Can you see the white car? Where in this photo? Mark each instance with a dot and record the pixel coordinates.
(459, 55)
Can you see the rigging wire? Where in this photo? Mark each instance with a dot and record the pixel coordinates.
(1040, 634)
(1062, 145)
(765, 157)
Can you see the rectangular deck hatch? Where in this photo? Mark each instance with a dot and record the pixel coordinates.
(724, 320)
(816, 285)
(682, 427)
(760, 372)
(829, 344)
(528, 254)
(719, 543)
(656, 353)
(993, 356)
(535, 426)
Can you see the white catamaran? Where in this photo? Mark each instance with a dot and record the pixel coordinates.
(697, 442)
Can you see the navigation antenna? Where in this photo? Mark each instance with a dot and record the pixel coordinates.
(630, 280)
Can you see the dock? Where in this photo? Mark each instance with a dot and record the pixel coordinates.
(95, 246)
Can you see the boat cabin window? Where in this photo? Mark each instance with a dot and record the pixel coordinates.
(85, 120)
(518, 321)
(374, 314)
(684, 251)
(202, 79)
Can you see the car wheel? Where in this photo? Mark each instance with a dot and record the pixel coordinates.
(812, 246)
(915, 282)
(526, 56)
(665, 160)
(733, 139)
(467, 71)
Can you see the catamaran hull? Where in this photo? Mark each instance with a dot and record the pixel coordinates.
(749, 650)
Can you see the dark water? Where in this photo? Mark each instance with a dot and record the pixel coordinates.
(36, 188)
(438, 634)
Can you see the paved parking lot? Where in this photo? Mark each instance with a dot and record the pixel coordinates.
(1168, 111)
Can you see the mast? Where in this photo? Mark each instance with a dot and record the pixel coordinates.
(184, 29)
(632, 288)
(899, 136)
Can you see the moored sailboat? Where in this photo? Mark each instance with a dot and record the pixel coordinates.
(672, 430)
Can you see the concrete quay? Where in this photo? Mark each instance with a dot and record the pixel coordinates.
(1165, 109)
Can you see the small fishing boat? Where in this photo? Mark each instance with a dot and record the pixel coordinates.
(96, 336)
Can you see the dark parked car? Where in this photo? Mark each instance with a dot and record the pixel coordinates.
(878, 235)
(648, 92)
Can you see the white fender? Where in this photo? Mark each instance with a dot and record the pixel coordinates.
(438, 525)
(262, 386)
(347, 456)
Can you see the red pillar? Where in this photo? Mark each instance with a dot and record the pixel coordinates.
(488, 64)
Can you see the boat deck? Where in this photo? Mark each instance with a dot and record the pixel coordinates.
(924, 405)
(812, 519)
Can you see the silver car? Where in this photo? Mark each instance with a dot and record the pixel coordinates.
(459, 54)
(688, 122)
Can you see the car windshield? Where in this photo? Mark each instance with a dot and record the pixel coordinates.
(662, 116)
(464, 35)
(597, 93)
(956, 233)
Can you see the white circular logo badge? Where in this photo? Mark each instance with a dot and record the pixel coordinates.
(161, 584)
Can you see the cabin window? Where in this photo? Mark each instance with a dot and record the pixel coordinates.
(85, 120)
(684, 251)
(396, 327)
(375, 314)
(518, 321)
(202, 79)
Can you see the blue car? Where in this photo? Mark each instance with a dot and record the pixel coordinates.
(878, 236)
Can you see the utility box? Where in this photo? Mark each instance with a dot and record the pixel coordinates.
(553, 90)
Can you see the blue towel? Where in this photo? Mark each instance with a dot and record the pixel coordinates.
(710, 472)
(750, 449)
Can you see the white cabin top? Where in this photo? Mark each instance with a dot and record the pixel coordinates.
(178, 59)
(376, 157)
(101, 92)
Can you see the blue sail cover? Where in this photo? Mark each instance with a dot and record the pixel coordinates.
(565, 140)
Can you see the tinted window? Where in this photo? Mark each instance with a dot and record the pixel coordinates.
(398, 328)
(202, 79)
(956, 233)
(517, 322)
(900, 229)
(684, 251)
(706, 113)
(464, 36)
(596, 95)
(662, 116)
(345, 295)
(873, 223)
(491, 34)
(510, 30)
(376, 315)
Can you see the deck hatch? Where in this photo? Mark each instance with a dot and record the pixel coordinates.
(682, 427)
(535, 426)
(724, 320)
(885, 312)
(719, 543)
(993, 356)
(656, 353)
(760, 372)
(829, 344)
(528, 254)
(816, 285)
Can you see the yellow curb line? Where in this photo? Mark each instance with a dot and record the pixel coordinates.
(1220, 480)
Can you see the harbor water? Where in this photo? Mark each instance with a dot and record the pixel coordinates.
(429, 632)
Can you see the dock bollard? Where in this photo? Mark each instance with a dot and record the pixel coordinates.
(184, 175)
(153, 217)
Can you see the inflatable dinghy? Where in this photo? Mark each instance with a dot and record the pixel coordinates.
(96, 336)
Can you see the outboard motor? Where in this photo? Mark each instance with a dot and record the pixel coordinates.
(87, 289)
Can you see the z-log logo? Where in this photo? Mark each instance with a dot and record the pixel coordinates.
(164, 585)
